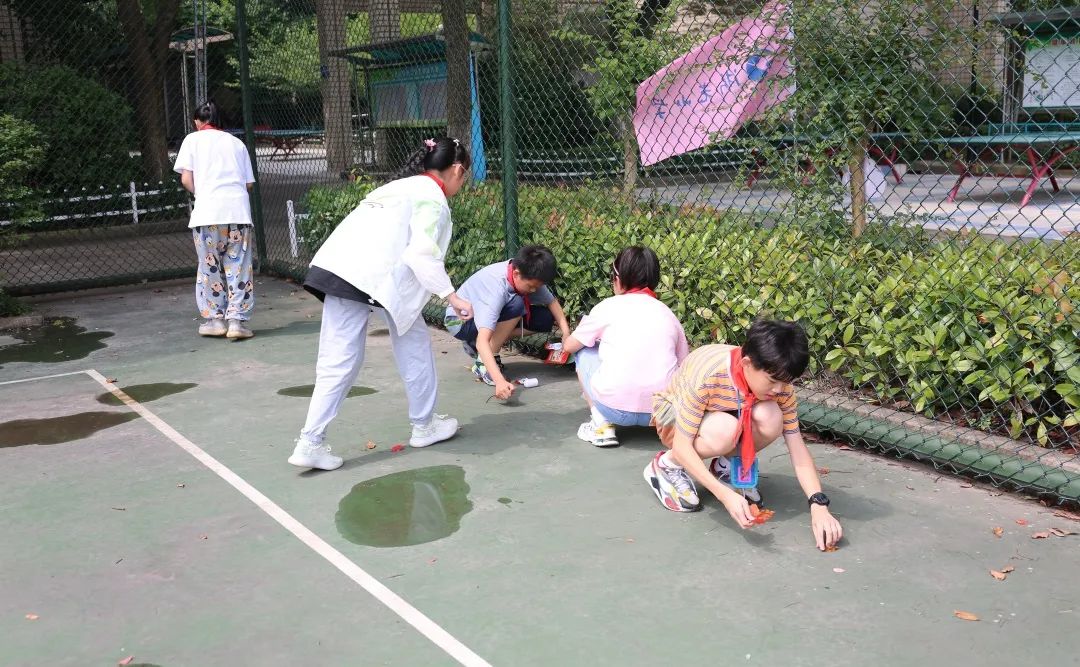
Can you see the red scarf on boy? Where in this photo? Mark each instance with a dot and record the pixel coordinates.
(524, 295)
(746, 446)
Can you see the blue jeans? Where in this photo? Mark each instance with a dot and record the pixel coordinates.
(541, 320)
(587, 361)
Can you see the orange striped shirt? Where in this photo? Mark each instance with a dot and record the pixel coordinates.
(703, 384)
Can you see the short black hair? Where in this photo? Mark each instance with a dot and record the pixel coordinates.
(535, 262)
(777, 347)
(637, 267)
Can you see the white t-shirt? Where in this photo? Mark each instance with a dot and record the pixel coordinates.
(222, 169)
(641, 346)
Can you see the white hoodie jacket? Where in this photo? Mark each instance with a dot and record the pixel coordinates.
(392, 247)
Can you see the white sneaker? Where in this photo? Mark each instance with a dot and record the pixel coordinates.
(602, 435)
(307, 455)
(238, 329)
(438, 429)
(212, 328)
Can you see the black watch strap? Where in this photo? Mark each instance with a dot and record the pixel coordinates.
(818, 498)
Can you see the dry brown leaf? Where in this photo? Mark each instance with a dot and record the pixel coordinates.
(1061, 533)
(1021, 522)
(1041, 535)
(371, 445)
(823, 471)
(1066, 514)
(32, 617)
(998, 531)
(1000, 576)
(1007, 569)
(965, 615)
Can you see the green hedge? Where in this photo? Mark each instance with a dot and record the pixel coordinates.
(987, 327)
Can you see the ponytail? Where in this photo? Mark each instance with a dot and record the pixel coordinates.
(207, 112)
(436, 155)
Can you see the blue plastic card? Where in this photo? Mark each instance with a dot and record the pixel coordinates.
(737, 480)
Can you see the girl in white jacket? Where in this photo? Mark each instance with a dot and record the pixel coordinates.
(387, 256)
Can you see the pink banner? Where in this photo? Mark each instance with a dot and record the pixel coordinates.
(715, 88)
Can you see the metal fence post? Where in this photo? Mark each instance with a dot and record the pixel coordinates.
(249, 132)
(134, 193)
(509, 143)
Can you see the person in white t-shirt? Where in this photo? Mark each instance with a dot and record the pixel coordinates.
(386, 257)
(215, 167)
(628, 347)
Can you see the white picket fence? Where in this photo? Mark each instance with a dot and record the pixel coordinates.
(294, 217)
(133, 209)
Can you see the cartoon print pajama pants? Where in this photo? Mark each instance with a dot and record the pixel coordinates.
(223, 287)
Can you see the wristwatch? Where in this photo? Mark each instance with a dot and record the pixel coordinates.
(818, 498)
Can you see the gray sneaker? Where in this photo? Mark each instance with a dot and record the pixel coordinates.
(212, 328)
(238, 329)
(672, 486)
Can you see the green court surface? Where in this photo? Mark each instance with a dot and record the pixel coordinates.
(171, 529)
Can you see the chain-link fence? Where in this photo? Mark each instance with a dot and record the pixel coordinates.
(897, 175)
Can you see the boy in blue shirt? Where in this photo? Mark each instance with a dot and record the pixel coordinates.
(504, 297)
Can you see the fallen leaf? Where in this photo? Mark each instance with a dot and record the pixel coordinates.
(1066, 514)
(760, 515)
(1007, 569)
(371, 445)
(432, 561)
(1061, 533)
(844, 448)
(1041, 535)
(909, 487)
(1000, 576)
(823, 471)
(965, 615)
(110, 380)
(832, 548)
(838, 570)
(1021, 522)
(126, 661)
(32, 617)
(998, 531)
(204, 537)
(120, 509)
(397, 448)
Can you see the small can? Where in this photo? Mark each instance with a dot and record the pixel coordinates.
(557, 357)
(528, 382)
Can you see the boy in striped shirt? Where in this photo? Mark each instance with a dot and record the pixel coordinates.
(727, 400)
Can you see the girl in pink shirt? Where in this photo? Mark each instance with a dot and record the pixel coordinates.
(627, 348)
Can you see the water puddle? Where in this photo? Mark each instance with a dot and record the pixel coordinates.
(144, 393)
(58, 430)
(405, 508)
(59, 339)
(305, 391)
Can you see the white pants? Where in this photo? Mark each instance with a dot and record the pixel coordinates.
(341, 354)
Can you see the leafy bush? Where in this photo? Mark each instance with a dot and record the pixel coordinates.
(21, 153)
(326, 206)
(984, 326)
(10, 306)
(87, 129)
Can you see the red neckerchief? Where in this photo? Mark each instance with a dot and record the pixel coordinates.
(641, 290)
(523, 295)
(438, 181)
(746, 447)
(208, 126)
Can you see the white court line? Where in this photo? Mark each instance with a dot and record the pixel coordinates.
(42, 377)
(399, 606)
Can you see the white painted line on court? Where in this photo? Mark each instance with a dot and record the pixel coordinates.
(399, 606)
(43, 377)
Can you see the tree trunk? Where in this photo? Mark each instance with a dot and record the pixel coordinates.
(856, 159)
(630, 154)
(385, 19)
(485, 19)
(148, 54)
(458, 88)
(337, 102)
